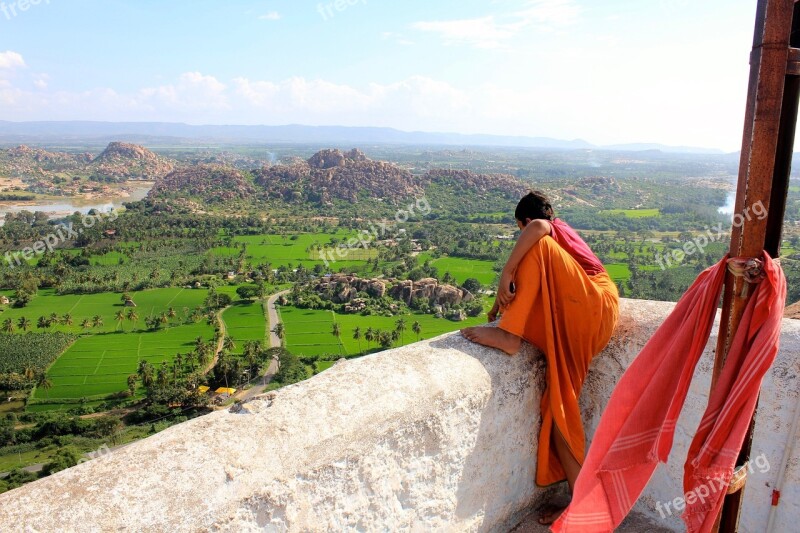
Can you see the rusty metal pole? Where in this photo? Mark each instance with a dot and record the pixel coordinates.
(764, 168)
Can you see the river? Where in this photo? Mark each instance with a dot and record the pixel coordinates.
(59, 207)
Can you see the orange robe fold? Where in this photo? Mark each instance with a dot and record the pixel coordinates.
(570, 316)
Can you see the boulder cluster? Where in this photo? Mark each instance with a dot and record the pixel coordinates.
(344, 289)
(430, 289)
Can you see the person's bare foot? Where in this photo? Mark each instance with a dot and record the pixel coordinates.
(550, 515)
(494, 338)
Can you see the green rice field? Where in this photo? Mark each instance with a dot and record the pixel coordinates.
(106, 305)
(618, 271)
(245, 321)
(289, 250)
(461, 269)
(634, 213)
(99, 362)
(308, 332)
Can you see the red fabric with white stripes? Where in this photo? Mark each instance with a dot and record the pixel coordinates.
(638, 425)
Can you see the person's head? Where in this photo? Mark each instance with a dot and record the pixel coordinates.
(534, 205)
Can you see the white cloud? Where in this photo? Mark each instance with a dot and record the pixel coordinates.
(194, 91)
(483, 32)
(550, 106)
(9, 60)
(272, 15)
(494, 31)
(40, 81)
(550, 13)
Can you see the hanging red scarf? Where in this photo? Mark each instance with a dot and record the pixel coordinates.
(638, 425)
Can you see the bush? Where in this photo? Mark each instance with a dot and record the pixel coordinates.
(472, 285)
(66, 457)
(16, 478)
(292, 369)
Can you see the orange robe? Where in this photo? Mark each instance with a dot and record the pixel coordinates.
(570, 316)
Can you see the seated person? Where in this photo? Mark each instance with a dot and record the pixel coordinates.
(556, 294)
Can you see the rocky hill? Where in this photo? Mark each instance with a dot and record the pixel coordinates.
(118, 162)
(209, 184)
(335, 175)
(131, 161)
(26, 163)
(465, 181)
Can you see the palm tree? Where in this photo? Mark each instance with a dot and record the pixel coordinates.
(400, 327)
(66, 319)
(251, 354)
(224, 365)
(132, 383)
(43, 383)
(385, 338)
(52, 319)
(145, 371)
(119, 316)
(280, 331)
(228, 344)
(8, 326)
(202, 354)
(30, 373)
(190, 359)
(357, 336)
(369, 336)
(41, 323)
(162, 376)
(416, 327)
(133, 316)
(336, 331)
(86, 323)
(24, 323)
(97, 321)
(171, 312)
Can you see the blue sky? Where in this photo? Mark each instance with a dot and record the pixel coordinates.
(607, 71)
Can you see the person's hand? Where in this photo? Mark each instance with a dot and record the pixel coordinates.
(504, 294)
(493, 313)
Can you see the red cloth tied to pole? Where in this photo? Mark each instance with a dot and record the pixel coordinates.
(638, 425)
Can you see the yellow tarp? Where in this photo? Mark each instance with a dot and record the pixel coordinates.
(223, 390)
(203, 389)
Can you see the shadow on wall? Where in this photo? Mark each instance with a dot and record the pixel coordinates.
(498, 447)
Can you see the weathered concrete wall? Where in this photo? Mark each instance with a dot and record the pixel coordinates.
(435, 436)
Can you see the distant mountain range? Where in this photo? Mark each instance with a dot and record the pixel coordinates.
(150, 132)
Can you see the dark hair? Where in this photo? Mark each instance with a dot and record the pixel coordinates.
(534, 205)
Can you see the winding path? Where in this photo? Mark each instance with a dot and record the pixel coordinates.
(274, 342)
(223, 332)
